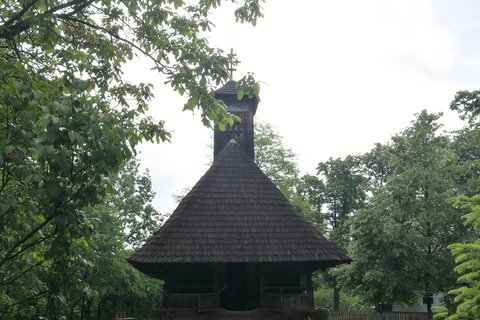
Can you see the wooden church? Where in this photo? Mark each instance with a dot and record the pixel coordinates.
(235, 247)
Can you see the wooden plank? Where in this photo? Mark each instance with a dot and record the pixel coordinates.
(184, 301)
(310, 299)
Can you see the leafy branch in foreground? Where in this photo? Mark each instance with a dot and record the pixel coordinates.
(69, 118)
(467, 255)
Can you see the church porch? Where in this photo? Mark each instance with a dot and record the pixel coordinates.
(257, 314)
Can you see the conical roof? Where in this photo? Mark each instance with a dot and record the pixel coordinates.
(230, 88)
(235, 213)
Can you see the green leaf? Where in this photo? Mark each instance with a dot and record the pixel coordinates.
(4, 208)
(221, 126)
(72, 136)
(80, 139)
(56, 106)
(240, 94)
(8, 149)
(52, 135)
(18, 85)
(256, 88)
(79, 84)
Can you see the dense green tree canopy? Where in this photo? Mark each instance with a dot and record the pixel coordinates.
(400, 239)
(467, 103)
(78, 286)
(343, 195)
(69, 118)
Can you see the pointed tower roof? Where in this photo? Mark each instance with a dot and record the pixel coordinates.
(228, 94)
(242, 131)
(235, 213)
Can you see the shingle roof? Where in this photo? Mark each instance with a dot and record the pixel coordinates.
(235, 213)
(228, 94)
(230, 88)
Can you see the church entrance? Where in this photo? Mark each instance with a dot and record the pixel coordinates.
(240, 290)
(233, 291)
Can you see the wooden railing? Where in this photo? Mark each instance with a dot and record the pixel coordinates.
(368, 315)
(194, 301)
(286, 301)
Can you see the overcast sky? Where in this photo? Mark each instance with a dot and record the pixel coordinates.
(336, 76)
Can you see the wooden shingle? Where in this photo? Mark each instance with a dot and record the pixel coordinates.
(235, 213)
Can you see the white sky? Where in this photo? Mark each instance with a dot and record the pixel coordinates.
(337, 76)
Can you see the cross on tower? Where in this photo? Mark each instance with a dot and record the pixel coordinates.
(233, 62)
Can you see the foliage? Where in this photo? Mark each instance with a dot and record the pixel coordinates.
(279, 164)
(132, 204)
(467, 256)
(343, 194)
(376, 166)
(276, 161)
(126, 220)
(78, 288)
(467, 103)
(323, 296)
(69, 119)
(466, 146)
(335, 196)
(399, 241)
(311, 190)
(180, 194)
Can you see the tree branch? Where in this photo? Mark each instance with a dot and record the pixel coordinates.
(16, 29)
(69, 4)
(21, 13)
(116, 36)
(11, 281)
(34, 243)
(24, 239)
(78, 9)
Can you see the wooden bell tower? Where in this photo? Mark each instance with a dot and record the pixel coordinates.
(241, 131)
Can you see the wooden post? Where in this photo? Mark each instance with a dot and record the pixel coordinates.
(166, 290)
(216, 282)
(310, 299)
(262, 286)
(252, 287)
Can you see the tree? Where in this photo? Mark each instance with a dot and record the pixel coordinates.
(311, 190)
(343, 194)
(69, 118)
(324, 298)
(466, 146)
(399, 242)
(376, 166)
(467, 103)
(77, 288)
(279, 163)
(132, 206)
(276, 161)
(467, 255)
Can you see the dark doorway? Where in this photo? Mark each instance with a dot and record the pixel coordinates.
(233, 292)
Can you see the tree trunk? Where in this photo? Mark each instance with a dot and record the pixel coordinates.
(100, 309)
(336, 296)
(88, 311)
(429, 307)
(50, 313)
